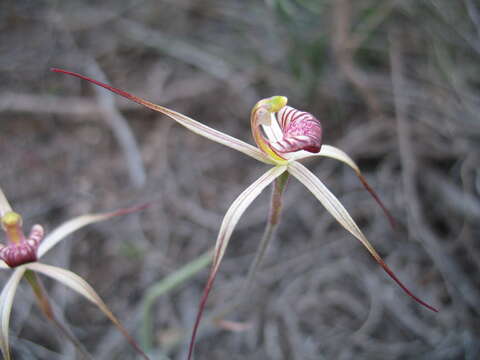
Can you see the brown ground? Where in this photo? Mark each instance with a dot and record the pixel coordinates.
(396, 85)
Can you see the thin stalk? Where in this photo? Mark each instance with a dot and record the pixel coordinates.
(172, 281)
(46, 307)
(180, 276)
(276, 204)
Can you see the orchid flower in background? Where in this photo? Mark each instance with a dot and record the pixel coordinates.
(22, 254)
(283, 136)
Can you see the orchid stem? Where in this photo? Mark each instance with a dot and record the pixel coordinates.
(47, 309)
(276, 204)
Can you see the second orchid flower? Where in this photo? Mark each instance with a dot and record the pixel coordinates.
(21, 254)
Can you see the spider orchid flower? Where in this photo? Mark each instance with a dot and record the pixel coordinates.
(22, 254)
(283, 136)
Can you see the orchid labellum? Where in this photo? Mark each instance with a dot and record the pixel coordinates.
(287, 132)
(283, 136)
(21, 254)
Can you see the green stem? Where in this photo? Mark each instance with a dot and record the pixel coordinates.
(40, 295)
(46, 307)
(167, 284)
(276, 204)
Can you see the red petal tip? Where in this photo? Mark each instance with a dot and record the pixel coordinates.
(404, 288)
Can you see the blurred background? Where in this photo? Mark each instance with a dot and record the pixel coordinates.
(396, 85)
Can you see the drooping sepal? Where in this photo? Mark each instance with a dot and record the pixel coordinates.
(6, 302)
(229, 223)
(338, 211)
(78, 284)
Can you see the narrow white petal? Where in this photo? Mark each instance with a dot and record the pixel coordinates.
(6, 302)
(327, 151)
(76, 283)
(3, 265)
(237, 209)
(337, 154)
(212, 134)
(66, 229)
(69, 279)
(186, 121)
(330, 202)
(76, 223)
(334, 207)
(4, 204)
(230, 220)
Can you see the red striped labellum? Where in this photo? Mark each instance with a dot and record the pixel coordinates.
(279, 129)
